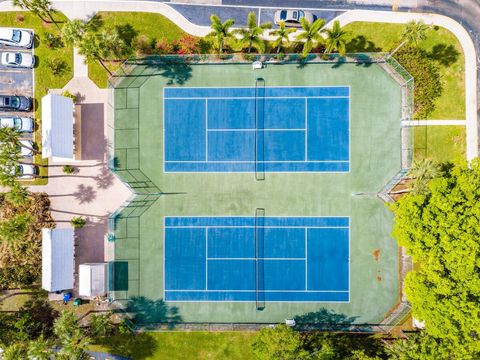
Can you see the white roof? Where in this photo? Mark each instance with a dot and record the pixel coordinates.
(57, 259)
(92, 279)
(57, 127)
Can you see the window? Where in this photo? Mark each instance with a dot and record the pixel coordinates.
(17, 36)
(283, 14)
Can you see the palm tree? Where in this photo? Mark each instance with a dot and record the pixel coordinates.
(41, 8)
(10, 135)
(220, 31)
(15, 228)
(71, 336)
(18, 195)
(252, 34)
(14, 352)
(414, 33)
(39, 349)
(92, 49)
(336, 39)
(310, 36)
(73, 31)
(111, 43)
(100, 325)
(282, 34)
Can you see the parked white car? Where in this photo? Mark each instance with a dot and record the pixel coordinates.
(23, 124)
(26, 147)
(23, 171)
(17, 59)
(16, 37)
(292, 17)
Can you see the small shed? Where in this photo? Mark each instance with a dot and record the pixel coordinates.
(57, 128)
(57, 259)
(92, 279)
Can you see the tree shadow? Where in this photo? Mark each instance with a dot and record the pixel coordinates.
(148, 312)
(444, 54)
(176, 73)
(105, 179)
(85, 194)
(361, 44)
(324, 320)
(127, 33)
(136, 346)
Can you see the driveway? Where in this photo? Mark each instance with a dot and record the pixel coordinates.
(16, 81)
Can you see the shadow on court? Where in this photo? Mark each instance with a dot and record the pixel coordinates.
(324, 320)
(147, 312)
(175, 72)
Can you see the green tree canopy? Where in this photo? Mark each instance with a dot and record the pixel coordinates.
(336, 39)
(281, 35)
(220, 31)
(310, 36)
(279, 342)
(251, 36)
(441, 231)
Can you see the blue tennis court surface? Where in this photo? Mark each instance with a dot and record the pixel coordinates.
(236, 258)
(274, 129)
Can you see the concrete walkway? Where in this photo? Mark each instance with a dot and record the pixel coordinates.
(80, 67)
(434, 123)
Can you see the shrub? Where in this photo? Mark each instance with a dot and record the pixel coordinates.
(57, 66)
(249, 57)
(52, 41)
(142, 45)
(78, 222)
(68, 169)
(163, 47)
(428, 82)
(204, 45)
(188, 44)
(68, 94)
(19, 18)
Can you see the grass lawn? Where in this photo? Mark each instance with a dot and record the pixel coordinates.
(441, 45)
(181, 345)
(440, 143)
(44, 78)
(155, 26)
(13, 300)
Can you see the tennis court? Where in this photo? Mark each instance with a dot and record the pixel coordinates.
(257, 259)
(257, 129)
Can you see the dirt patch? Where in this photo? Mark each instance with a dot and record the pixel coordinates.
(379, 278)
(376, 254)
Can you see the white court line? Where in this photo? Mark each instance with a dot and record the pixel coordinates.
(206, 129)
(253, 97)
(206, 258)
(306, 129)
(252, 227)
(252, 259)
(306, 259)
(249, 129)
(270, 291)
(253, 162)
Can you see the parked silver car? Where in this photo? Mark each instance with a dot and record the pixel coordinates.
(17, 59)
(16, 37)
(292, 17)
(23, 124)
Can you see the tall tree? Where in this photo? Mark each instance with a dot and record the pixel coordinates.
(251, 36)
(112, 45)
(100, 325)
(73, 340)
(220, 31)
(17, 195)
(41, 8)
(280, 342)
(413, 34)
(336, 39)
(15, 351)
(15, 228)
(91, 47)
(281, 35)
(310, 36)
(441, 231)
(40, 349)
(12, 136)
(73, 31)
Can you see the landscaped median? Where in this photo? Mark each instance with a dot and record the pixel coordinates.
(53, 69)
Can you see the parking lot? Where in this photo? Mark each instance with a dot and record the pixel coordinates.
(16, 81)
